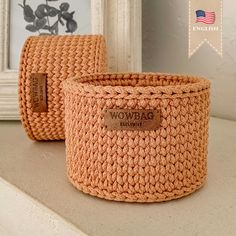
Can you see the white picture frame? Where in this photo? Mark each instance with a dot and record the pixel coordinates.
(118, 20)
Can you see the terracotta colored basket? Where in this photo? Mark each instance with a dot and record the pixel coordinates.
(46, 61)
(152, 160)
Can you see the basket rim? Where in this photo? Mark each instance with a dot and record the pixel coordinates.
(80, 84)
(91, 46)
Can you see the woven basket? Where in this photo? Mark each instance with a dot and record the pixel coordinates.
(149, 165)
(46, 61)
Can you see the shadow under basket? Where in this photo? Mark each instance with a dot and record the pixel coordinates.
(137, 137)
(46, 61)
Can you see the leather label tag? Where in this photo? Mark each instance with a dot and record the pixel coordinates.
(39, 92)
(129, 119)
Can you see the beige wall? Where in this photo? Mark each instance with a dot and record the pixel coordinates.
(165, 49)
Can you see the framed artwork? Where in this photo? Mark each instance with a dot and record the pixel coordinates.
(118, 20)
(45, 17)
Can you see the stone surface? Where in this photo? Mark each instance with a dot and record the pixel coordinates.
(38, 169)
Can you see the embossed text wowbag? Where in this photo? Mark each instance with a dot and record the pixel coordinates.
(137, 137)
(46, 61)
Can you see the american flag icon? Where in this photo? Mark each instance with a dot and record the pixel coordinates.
(205, 17)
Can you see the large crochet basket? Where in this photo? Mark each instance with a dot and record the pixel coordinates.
(46, 61)
(137, 137)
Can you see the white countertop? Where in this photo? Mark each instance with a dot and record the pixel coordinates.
(38, 169)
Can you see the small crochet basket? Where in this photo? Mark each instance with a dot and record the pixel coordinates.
(137, 137)
(46, 61)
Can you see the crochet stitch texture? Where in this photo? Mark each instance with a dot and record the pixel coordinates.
(137, 166)
(59, 57)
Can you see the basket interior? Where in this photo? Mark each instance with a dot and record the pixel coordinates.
(138, 80)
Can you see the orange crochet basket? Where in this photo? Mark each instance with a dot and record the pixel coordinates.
(137, 137)
(46, 61)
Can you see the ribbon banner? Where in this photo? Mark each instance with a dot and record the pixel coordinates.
(205, 25)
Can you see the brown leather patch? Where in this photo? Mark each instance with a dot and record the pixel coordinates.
(129, 119)
(39, 92)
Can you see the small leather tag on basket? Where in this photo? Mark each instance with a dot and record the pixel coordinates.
(129, 119)
(39, 92)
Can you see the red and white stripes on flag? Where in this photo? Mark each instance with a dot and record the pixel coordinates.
(209, 18)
